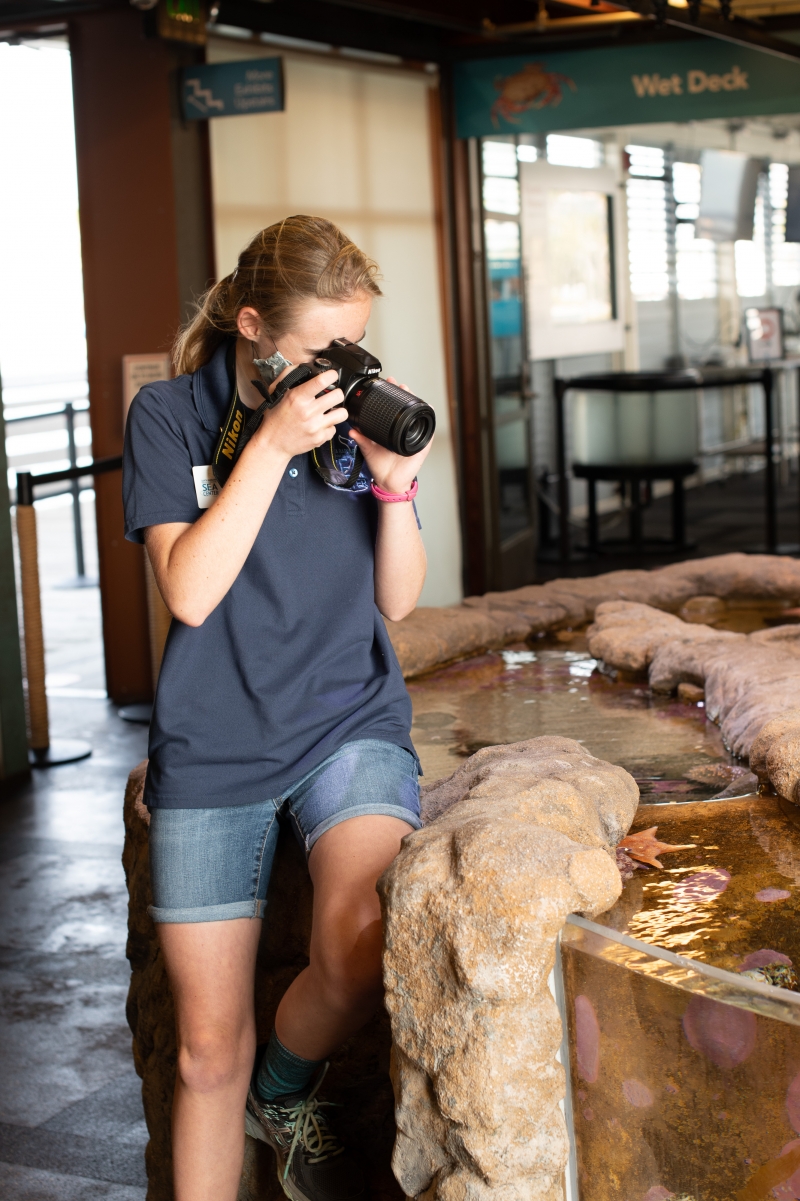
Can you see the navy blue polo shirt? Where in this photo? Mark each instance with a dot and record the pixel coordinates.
(295, 660)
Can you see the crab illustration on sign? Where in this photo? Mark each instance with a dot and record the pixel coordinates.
(532, 87)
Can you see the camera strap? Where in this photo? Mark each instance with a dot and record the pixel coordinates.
(238, 428)
(339, 463)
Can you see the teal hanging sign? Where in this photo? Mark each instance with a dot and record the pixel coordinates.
(624, 85)
(254, 85)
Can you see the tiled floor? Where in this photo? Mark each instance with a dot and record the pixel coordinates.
(71, 1123)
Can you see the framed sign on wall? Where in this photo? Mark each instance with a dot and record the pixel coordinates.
(138, 370)
(764, 333)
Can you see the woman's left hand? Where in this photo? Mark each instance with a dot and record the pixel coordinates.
(390, 471)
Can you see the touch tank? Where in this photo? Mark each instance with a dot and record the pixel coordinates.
(685, 1072)
(682, 1023)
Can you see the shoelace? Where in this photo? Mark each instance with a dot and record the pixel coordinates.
(310, 1128)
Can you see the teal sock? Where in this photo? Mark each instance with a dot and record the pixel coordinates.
(282, 1072)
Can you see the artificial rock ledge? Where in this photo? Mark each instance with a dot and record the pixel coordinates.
(751, 682)
(516, 839)
(429, 637)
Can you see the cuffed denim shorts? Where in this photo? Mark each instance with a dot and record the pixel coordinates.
(210, 865)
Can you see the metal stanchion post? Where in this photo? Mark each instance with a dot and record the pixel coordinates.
(43, 752)
(769, 439)
(75, 488)
(38, 723)
(559, 391)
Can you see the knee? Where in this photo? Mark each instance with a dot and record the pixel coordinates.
(210, 1060)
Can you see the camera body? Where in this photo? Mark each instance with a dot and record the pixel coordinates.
(381, 411)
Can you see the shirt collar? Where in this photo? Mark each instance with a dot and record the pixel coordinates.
(212, 388)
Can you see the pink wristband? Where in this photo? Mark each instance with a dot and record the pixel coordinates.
(394, 497)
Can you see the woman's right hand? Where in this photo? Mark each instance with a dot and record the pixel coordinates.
(196, 564)
(303, 419)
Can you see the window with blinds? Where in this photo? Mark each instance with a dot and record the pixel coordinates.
(695, 258)
(651, 210)
(751, 258)
(785, 255)
(647, 223)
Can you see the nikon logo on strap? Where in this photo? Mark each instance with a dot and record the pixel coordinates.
(231, 434)
(237, 429)
(225, 454)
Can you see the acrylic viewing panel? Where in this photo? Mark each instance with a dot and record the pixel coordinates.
(685, 1074)
(685, 1080)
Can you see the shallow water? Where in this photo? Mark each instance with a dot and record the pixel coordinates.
(735, 893)
(522, 693)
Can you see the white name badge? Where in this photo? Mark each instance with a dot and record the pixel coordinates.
(206, 487)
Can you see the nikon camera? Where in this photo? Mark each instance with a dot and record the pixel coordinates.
(381, 411)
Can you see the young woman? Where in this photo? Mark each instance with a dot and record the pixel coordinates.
(279, 699)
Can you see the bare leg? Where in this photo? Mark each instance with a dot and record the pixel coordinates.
(342, 986)
(211, 968)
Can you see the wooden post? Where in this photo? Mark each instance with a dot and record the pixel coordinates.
(38, 722)
(477, 478)
(144, 242)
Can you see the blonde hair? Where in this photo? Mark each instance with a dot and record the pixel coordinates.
(297, 259)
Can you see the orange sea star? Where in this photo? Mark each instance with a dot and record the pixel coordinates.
(645, 847)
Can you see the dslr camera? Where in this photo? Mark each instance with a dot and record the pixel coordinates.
(381, 411)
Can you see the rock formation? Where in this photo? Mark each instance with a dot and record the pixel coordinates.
(751, 682)
(428, 637)
(523, 836)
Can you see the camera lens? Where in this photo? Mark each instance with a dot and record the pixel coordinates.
(413, 432)
(391, 416)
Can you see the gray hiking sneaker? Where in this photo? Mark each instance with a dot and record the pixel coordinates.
(312, 1163)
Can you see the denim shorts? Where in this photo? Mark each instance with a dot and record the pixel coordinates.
(209, 865)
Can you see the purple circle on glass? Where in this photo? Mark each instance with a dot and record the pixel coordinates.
(587, 1038)
(637, 1094)
(762, 958)
(773, 894)
(703, 886)
(725, 1035)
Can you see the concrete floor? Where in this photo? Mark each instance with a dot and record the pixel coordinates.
(71, 1122)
